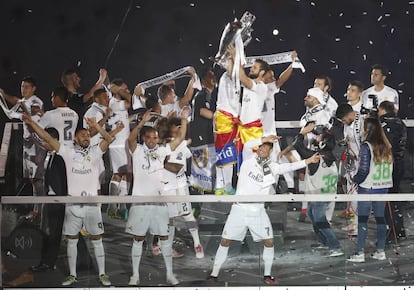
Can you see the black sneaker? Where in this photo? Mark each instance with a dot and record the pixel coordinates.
(42, 268)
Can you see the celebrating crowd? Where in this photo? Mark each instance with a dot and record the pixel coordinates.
(229, 134)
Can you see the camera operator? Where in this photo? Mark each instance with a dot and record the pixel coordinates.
(396, 132)
(384, 93)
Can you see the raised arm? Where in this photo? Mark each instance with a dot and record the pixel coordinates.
(54, 143)
(132, 138)
(190, 90)
(244, 79)
(99, 83)
(285, 75)
(9, 98)
(124, 93)
(107, 139)
(177, 141)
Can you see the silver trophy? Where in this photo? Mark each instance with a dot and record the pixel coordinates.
(229, 34)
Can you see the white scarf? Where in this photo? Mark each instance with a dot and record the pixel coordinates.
(277, 58)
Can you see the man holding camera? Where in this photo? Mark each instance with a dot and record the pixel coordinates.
(396, 132)
(384, 93)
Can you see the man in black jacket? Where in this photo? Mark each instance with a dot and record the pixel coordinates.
(396, 132)
(55, 184)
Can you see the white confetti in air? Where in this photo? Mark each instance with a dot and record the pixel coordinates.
(282, 91)
(364, 56)
(352, 72)
(275, 32)
(348, 26)
(341, 14)
(387, 14)
(335, 67)
(257, 39)
(138, 7)
(331, 60)
(210, 44)
(401, 84)
(337, 39)
(371, 42)
(379, 18)
(313, 3)
(407, 12)
(309, 35)
(382, 4)
(79, 63)
(30, 10)
(314, 60)
(201, 60)
(399, 61)
(15, 72)
(364, 13)
(400, 91)
(392, 30)
(411, 2)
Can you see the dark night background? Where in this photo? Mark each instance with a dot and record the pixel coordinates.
(341, 39)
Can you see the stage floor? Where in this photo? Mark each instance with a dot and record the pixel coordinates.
(295, 263)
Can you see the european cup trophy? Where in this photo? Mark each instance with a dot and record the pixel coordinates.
(244, 25)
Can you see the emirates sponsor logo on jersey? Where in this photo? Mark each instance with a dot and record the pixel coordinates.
(81, 171)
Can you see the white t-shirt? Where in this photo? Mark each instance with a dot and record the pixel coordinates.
(386, 94)
(331, 105)
(148, 166)
(64, 120)
(178, 156)
(252, 102)
(324, 181)
(357, 106)
(269, 110)
(175, 107)
(252, 179)
(227, 99)
(97, 112)
(119, 114)
(82, 169)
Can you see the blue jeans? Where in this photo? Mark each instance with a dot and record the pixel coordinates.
(364, 209)
(317, 214)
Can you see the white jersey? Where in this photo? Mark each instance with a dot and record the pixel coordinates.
(324, 181)
(97, 112)
(255, 180)
(330, 104)
(64, 120)
(148, 166)
(380, 174)
(316, 114)
(227, 99)
(82, 169)
(32, 101)
(357, 106)
(119, 114)
(175, 107)
(179, 156)
(386, 94)
(353, 133)
(269, 110)
(252, 102)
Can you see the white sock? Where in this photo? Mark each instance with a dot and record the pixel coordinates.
(171, 234)
(192, 228)
(166, 250)
(268, 255)
(136, 254)
(99, 255)
(220, 258)
(72, 252)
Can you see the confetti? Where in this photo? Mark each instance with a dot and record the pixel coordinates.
(379, 18)
(364, 13)
(309, 35)
(257, 39)
(314, 60)
(400, 91)
(332, 61)
(401, 84)
(371, 42)
(364, 56)
(15, 72)
(387, 14)
(352, 72)
(30, 10)
(341, 14)
(275, 32)
(411, 2)
(382, 4)
(201, 60)
(392, 30)
(348, 26)
(337, 39)
(210, 44)
(313, 3)
(335, 67)
(79, 63)
(192, 4)
(399, 61)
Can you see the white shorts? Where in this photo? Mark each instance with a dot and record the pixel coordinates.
(88, 216)
(148, 217)
(248, 216)
(120, 159)
(178, 208)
